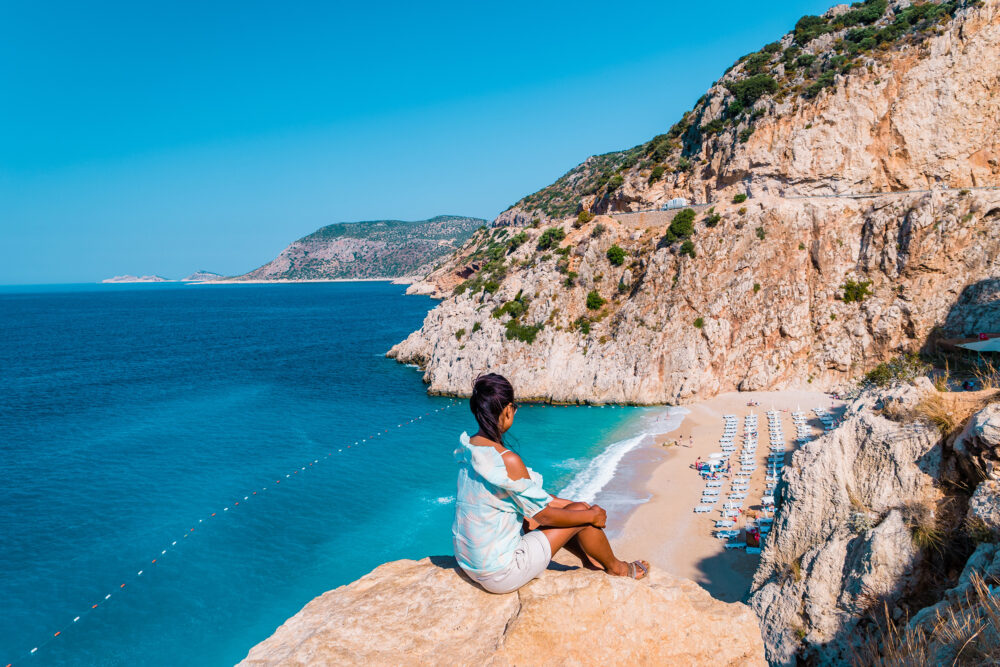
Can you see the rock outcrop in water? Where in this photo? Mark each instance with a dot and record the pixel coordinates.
(785, 289)
(427, 613)
(872, 518)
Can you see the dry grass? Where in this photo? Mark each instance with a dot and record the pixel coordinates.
(941, 380)
(988, 376)
(949, 411)
(967, 633)
(924, 524)
(790, 571)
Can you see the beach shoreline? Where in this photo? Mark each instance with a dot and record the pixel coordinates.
(660, 525)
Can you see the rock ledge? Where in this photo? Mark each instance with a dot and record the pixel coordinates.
(427, 612)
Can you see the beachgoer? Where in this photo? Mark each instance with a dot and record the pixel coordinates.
(506, 526)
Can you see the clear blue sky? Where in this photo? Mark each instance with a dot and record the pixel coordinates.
(168, 137)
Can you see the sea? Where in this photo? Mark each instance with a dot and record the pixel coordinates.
(184, 467)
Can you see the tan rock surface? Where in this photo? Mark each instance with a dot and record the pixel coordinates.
(766, 282)
(427, 613)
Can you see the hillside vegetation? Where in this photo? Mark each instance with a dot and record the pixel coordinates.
(371, 249)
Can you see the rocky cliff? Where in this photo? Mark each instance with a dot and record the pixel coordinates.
(773, 285)
(875, 518)
(373, 249)
(428, 613)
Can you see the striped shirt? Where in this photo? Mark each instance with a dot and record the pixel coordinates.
(489, 508)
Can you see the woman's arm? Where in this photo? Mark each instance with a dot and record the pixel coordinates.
(553, 514)
(563, 518)
(558, 503)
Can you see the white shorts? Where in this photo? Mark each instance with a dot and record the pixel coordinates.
(531, 557)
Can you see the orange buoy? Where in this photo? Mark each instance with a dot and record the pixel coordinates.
(57, 634)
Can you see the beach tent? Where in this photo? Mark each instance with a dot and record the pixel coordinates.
(990, 345)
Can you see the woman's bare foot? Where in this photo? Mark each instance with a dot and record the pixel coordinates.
(637, 569)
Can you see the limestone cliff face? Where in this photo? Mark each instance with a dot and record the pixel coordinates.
(852, 536)
(755, 298)
(760, 306)
(428, 613)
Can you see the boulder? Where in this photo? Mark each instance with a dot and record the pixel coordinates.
(428, 612)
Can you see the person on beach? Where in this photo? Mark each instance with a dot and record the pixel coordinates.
(506, 526)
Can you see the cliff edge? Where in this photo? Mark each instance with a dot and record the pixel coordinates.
(427, 612)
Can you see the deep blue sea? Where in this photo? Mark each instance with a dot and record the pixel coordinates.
(129, 414)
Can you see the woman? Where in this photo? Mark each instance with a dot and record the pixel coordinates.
(496, 491)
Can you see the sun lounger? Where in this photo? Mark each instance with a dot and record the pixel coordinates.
(714, 485)
(736, 545)
(701, 509)
(711, 492)
(725, 523)
(753, 550)
(737, 496)
(732, 505)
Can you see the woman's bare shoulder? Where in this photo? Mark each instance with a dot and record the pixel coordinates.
(515, 466)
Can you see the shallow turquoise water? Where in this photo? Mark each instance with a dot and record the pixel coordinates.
(130, 413)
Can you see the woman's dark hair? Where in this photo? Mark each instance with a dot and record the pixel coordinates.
(491, 393)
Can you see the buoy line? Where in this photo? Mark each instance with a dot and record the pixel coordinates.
(218, 513)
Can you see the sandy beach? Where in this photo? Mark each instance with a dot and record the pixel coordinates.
(666, 531)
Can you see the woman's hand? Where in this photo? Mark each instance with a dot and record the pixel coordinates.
(600, 517)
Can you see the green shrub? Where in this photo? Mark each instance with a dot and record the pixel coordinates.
(773, 47)
(681, 227)
(805, 60)
(713, 127)
(699, 322)
(514, 308)
(476, 327)
(761, 233)
(594, 300)
(755, 63)
(598, 230)
(570, 279)
(583, 324)
(739, 199)
(553, 236)
(712, 218)
(516, 241)
(789, 56)
(683, 164)
(899, 370)
(616, 255)
(491, 286)
(523, 332)
(749, 90)
(583, 217)
(745, 134)
(825, 80)
(809, 28)
(656, 174)
(756, 287)
(862, 13)
(856, 291)
(615, 182)
(459, 334)
(687, 248)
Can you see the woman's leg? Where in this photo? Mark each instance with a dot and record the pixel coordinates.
(591, 539)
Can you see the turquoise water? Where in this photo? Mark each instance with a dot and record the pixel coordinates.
(130, 413)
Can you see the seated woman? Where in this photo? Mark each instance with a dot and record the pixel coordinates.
(496, 491)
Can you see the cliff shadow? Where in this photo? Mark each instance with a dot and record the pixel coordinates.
(727, 575)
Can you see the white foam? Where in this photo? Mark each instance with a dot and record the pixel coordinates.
(587, 483)
(444, 500)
